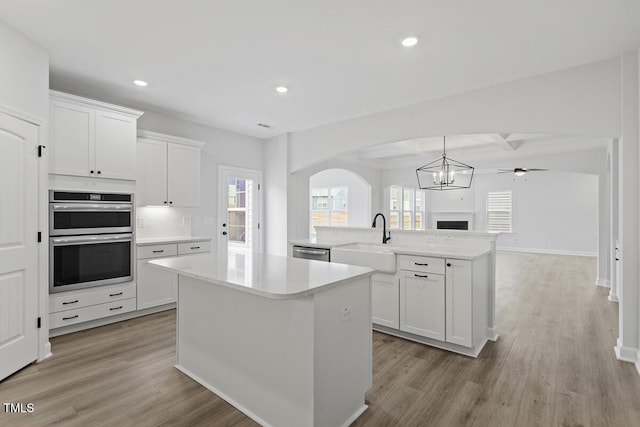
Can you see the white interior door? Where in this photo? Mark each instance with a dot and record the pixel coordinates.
(18, 244)
(239, 210)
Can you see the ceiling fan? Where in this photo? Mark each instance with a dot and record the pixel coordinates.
(521, 171)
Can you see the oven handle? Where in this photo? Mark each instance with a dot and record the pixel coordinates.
(77, 207)
(92, 239)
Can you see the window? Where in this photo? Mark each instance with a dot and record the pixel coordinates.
(329, 207)
(499, 211)
(406, 208)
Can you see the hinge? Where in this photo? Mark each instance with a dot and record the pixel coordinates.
(258, 186)
(40, 147)
(39, 236)
(39, 322)
(258, 226)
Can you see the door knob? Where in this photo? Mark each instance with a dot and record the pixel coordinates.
(224, 233)
(224, 225)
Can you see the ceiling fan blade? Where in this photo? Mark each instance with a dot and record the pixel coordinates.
(509, 171)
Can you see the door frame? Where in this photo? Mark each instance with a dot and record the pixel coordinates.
(222, 193)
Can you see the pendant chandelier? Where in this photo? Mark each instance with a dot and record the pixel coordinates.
(444, 173)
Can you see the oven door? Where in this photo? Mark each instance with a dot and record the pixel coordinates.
(67, 219)
(85, 261)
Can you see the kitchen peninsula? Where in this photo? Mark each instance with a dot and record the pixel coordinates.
(286, 341)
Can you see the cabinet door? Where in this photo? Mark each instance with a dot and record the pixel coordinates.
(115, 145)
(422, 304)
(151, 179)
(385, 301)
(155, 286)
(459, 298)
(71, 139)
(183, 175)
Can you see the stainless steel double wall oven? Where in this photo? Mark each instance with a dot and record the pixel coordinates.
(91, 239)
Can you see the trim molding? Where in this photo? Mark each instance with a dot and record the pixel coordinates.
(613, 297)
(605, 283)
(62, 96)
(492, 334)
(547, 251)
(147, 134)
(22, 115)
(627, 354)
(638, 363)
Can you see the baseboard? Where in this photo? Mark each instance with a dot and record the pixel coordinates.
(492, 334)
(613, 297)
(547, 251)
(605, 283)
(638, 362)
(47, 352)
(626, 354)
(108, 320)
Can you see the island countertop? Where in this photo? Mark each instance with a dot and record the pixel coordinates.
(271, 276)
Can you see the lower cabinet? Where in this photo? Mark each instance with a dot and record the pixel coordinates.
(158, 287)
(69, 308)
(385, 300)
(432, 298)
(422, 309)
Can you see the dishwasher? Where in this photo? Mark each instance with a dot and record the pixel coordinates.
(318, 254)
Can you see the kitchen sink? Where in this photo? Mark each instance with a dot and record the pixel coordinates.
(378, 257)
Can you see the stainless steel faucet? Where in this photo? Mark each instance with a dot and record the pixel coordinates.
(385, 238)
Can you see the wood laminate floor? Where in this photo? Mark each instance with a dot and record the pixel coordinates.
(553, 365)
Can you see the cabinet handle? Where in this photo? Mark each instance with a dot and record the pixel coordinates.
(421, 275)
(421, 263)
(115, 295)
(115, 308)
(448, 264)
(69, 302)
(158, 252)
(69, 318)
(195, 247)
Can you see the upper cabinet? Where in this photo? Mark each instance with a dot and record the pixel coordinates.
(91, 138)
(168, 171)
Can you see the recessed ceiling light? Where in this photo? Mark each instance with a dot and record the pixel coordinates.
(140, 83)
(282, 89)
(410, 41)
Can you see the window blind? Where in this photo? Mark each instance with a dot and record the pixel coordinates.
(499, 211)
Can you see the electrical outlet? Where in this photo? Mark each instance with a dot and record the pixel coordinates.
(345, 313)
(448, 240)
(141, 222)
(431, 239)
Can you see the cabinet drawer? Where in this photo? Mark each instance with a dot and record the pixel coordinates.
(157, 251)
(71, 317)
(193, 248)
(421, 263)
(77, 299)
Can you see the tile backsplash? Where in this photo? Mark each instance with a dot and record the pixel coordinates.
(160, 221)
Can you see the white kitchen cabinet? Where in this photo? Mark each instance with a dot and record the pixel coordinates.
(422, 308)
(90, 138)
(385, 300)
(157, 287)
(168, 170)
(458, 307)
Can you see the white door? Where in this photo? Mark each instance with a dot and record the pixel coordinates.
(115, 145)
(422, 304)
(239, 214)
(183, 175)
(18, 244)
(459, 306)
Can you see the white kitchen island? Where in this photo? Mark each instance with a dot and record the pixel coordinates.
(286, 341)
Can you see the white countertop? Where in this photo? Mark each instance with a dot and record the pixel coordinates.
(175, 239)
(440, 251)
(271, 276)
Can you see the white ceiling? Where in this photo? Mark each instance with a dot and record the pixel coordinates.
(217, 62)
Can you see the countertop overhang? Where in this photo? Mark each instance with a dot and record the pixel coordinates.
(271, 276)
